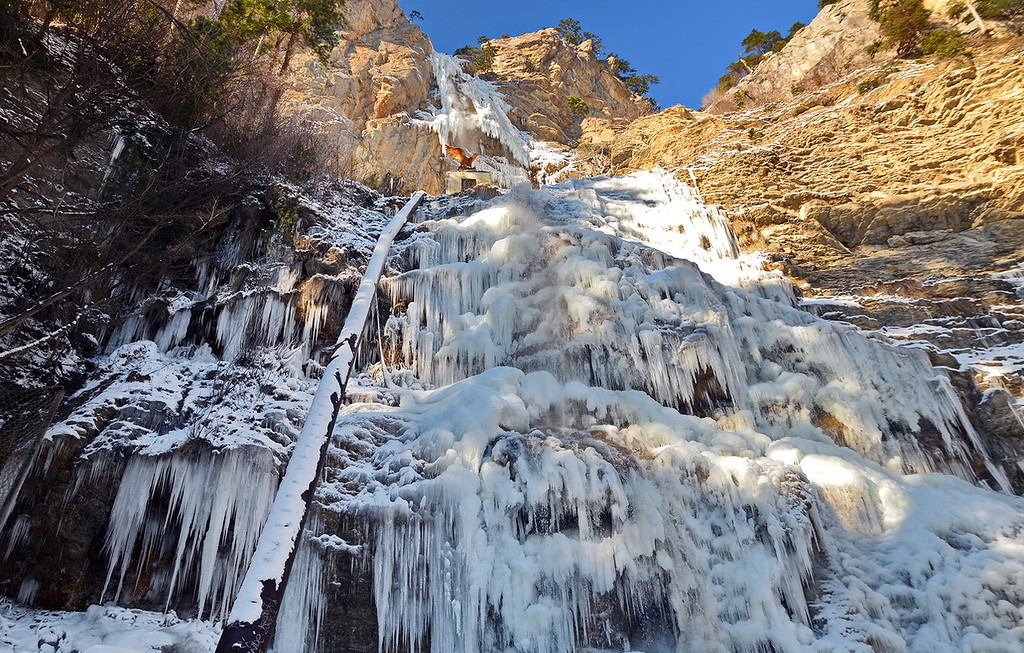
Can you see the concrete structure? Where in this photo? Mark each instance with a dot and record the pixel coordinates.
(460, 180)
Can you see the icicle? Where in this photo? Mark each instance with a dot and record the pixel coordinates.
(472, 108)
(203, 515)
(119, 142)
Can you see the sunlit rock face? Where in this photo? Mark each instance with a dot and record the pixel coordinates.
(835, 43)
(367, 106)
(361, 103)
(896, 208)
(540, 70)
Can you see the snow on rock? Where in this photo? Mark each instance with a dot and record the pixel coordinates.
(105, 629)
(616, 451)
(144, 401)
(192, 412)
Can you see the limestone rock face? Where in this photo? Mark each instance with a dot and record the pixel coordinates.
(833, 44)
(378, 76)
(898, 191)
(537, 72)
(381, 67)
(364, 102)
(935, 146)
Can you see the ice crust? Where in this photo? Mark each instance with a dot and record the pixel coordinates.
(628, 438)
(606, 429)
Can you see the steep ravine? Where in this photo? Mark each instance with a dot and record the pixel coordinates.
(624, 413)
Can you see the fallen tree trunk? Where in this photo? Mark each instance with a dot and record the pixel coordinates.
(253, 618)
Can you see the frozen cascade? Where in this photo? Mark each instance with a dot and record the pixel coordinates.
(606, 449)
(472, 108)
(500, 288)
(202, 514)
(275, 309)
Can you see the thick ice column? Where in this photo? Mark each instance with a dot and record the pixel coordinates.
(250, 626)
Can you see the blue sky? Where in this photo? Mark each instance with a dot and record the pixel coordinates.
(688, 43)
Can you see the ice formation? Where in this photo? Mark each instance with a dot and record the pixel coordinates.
(195, 408)
(281, 536)
(575, 298)
(472, 109)
(216, 505)
(602, 428)
(604, 444)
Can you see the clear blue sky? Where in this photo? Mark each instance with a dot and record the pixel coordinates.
(687, 43)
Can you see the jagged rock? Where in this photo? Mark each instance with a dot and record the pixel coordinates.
(833, 44)
(904, 193)
(363, 104)
(378, 76)
(539, 71)
(381, 67)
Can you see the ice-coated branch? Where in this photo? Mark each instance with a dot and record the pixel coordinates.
(250, 625)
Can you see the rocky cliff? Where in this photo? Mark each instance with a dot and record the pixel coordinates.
(364, 101)
(836, 42)
(841, 39)
(895, 196)
(538, 72)
(367, 103)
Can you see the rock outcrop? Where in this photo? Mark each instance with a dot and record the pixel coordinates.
(365, 102)
(836, 42)
(538, 72)
(380, 68)
(378, 77)
(898, 192)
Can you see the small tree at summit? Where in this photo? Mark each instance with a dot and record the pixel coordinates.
(641, 84)
(756, 45)
(570, 30)
(758, 42)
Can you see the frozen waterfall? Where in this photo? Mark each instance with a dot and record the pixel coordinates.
(584, 421)
(614, 432)
(471, 114)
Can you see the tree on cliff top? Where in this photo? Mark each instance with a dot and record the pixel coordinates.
(903, 23)
(570, 30)
(314, 23)
(756, 45)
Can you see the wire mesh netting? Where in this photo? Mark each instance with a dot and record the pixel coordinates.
(25, 414)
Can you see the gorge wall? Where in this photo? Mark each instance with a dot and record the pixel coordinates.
(663, 410)
(368, 104)
(893, 196)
